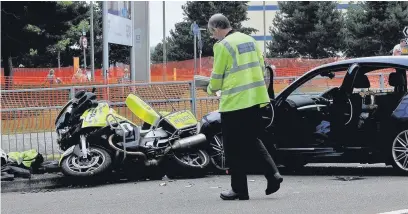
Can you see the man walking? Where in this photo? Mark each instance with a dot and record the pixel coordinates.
(238, 73)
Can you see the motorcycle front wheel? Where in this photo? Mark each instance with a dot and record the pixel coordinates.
(97, 162)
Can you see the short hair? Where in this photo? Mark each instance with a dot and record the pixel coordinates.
(219, 21)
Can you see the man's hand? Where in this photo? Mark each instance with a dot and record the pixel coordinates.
(218, 93)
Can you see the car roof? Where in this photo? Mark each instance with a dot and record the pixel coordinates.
(386, 60)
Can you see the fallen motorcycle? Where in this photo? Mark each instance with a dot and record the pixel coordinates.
(95, 139)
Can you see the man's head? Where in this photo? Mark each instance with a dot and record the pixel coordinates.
(219, 26)
(403, 42)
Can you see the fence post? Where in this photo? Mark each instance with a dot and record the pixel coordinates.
(382, 81)
(193, 97)
(72, 93)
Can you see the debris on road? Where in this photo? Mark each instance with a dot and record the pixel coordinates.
(348, 178)
(165, 178)
(163, 184)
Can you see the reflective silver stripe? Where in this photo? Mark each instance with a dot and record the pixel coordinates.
(217, 76)
(243, 87)
(232, 52)
(244, 67)
(236, 69)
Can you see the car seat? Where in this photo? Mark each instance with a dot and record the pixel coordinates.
(360, 82)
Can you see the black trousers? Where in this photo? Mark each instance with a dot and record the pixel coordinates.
(241, 130)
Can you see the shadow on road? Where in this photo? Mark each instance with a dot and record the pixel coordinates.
(341, 171)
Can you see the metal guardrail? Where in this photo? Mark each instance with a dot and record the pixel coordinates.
(28, 115)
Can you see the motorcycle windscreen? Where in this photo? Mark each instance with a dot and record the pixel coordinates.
(96, 117)
(181, 119)
(141, 109)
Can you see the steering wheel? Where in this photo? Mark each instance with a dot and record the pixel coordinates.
(351, 111)
(328, 96)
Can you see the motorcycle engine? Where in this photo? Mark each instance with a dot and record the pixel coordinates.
(127, 132)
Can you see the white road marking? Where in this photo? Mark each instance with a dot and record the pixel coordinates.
(397, 212)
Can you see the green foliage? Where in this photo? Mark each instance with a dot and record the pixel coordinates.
(33, 52)
(36, 31)
(306, 29)
(374, 28)
(180, 44)
(33, 29)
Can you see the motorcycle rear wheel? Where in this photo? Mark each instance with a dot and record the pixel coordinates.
(189, 164)
(97, 163)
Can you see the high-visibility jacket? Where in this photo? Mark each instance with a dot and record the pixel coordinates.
(238, 72)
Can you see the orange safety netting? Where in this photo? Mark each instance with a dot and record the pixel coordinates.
(172, 71)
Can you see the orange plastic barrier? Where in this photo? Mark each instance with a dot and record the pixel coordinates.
(181, 70)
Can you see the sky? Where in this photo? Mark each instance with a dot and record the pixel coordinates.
(174, 14)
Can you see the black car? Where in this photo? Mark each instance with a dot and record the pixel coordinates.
(347, 118)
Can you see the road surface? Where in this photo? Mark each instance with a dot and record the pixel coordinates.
(314, 190)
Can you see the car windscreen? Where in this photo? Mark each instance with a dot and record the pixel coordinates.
(321, 83)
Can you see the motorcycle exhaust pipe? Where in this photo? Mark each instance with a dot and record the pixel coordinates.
(139, 154)
(189, 142)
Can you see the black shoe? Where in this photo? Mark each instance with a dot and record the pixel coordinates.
(231, 195)
(274, 184)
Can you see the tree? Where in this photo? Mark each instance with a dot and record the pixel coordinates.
(61, 46)
(46, 34)
(35, 31)
(306, 29)
(181, 40)
(373, 28)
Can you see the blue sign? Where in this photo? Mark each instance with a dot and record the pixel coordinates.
(196, 29)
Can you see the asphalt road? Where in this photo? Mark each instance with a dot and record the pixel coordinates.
(313, 190)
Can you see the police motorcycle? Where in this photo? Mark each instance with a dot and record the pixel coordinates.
(210, 126)
(96, 140)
